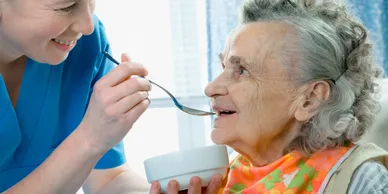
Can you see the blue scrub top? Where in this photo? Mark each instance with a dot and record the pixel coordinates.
(51, 104)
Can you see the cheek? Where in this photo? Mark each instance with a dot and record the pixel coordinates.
(51, 30)
(251, 104)
(247, 99)
(38, 35)
(274, 109)
(265, 109)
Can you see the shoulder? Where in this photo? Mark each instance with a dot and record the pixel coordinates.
(360, 155)
(369, 177)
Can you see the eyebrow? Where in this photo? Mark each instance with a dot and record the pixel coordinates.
(66, 1)
(236, 60)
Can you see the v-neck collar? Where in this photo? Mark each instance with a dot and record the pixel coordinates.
(29, 104)
(33, 89)
(10, 135)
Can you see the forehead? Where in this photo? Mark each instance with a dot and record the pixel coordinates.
(259, 40)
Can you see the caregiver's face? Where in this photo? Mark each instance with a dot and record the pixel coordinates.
(252, 95)
(45, 30)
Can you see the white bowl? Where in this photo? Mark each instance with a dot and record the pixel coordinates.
(181, 166)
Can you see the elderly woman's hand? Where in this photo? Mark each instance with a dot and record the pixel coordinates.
(117, 102)
(194, 187)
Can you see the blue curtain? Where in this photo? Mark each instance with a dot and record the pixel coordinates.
(374, 14)
(222, 17)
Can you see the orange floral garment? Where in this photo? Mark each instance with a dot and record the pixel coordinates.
(292, 174)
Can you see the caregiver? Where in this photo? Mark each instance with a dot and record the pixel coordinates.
(61, 119)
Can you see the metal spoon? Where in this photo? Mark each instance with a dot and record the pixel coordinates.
(183, 108)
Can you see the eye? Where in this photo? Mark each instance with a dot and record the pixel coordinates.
(69, 8)
(243, 71)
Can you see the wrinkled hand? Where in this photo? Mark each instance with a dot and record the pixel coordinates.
(116, 103)
(194, 187)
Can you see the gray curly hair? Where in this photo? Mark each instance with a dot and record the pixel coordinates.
(334, 47)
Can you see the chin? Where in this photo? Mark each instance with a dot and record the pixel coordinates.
(49, 58)
(221, 137)
(55, 59)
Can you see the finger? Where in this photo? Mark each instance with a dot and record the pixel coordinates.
(214, 185)
(125, 58)
(172, 187)
(155, 188)
(195, 186)
(132, 115)
(130, 86)
(121, 73)
(127, 103)
(112, 95)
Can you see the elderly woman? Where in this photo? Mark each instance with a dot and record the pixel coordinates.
(295, 95)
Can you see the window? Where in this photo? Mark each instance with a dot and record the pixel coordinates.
(169, 38)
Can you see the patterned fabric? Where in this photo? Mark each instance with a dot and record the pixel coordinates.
(370, 178)
(291, 174)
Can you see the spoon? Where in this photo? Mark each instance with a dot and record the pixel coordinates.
(183, 108)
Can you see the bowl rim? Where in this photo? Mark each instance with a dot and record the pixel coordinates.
(154, 166)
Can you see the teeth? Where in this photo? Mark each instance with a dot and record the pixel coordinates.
(64, 42)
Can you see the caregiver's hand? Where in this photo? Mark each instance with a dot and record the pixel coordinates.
(194, 187)
(117, 102)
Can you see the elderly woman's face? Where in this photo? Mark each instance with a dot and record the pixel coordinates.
(253, 94)
(45, 30)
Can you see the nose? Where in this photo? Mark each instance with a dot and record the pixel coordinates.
(216, 88)
(84, 22)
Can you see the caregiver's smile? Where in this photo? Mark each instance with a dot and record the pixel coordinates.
(53, 28)
(66, 45)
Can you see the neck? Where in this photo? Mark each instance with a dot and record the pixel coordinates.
(7, 53)
(268, 151)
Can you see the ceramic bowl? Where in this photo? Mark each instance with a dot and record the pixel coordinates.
(181, 166)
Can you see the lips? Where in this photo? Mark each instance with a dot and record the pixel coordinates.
(221, 110)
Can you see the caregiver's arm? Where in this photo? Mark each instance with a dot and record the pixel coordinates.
(116, 103)
(117, 180)
(63, 172)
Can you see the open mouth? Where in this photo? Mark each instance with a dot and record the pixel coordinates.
(221, 113)
(223, 109)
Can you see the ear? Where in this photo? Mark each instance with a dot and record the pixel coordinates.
(309, 101)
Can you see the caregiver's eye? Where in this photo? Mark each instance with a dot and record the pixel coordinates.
(69, 8)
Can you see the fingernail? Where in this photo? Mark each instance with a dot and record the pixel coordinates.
(195, 180)
(145, 94)
(173, 184)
